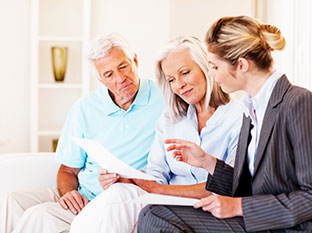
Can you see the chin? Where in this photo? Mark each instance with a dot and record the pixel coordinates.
(227, 90)
(190, 101)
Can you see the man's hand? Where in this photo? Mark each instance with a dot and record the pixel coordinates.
(67, 182)
(221, 206)
(191, 153)
(73, 201)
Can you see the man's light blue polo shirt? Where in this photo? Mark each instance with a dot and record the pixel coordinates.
(127, 134)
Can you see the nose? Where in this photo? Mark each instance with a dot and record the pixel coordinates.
(120, 77)
(180, 83)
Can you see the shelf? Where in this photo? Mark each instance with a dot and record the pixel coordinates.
(45, 143)
(60, 85)
(63, 24)
(49, 133)
(53, 107)
(74, 61)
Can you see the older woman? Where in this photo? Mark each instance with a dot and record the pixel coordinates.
(198, 111)
(270, 187)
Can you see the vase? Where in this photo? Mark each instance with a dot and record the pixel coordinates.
(54, 144)
(59, 62)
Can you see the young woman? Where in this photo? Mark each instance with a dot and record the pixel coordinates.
(270, 186)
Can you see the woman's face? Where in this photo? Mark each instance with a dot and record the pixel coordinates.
(184, 76)
(223, 74)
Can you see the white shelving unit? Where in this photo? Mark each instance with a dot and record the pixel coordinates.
(56, 23)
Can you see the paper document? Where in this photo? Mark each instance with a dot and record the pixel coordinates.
(110, 162)
(158, 199)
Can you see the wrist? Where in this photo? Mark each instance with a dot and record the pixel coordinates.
(209, 163)
(239, 207)
(156, 188)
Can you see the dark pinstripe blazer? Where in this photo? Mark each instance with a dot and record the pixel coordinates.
(282, 180)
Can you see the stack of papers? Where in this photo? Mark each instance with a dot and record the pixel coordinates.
(110, 162)
(158, 199)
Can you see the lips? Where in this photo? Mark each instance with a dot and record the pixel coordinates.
(186, 93)
(125, 86)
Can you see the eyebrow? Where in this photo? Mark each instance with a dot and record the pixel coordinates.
(168, 76)
(182, 67)
(123, 62)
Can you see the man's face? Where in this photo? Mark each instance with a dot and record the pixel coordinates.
(119, 74)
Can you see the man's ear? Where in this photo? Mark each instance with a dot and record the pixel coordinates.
(135, 59)
(243, 64)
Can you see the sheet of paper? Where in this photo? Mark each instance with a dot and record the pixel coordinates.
(110, 162)
(158, 199)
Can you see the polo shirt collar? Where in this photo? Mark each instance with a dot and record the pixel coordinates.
(142, 97)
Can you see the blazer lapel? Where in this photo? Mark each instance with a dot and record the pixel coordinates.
(270, 116)
(241, 151)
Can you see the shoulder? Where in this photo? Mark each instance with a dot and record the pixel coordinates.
(296, 100)
(296, 94)
(164, 119)
(288, 95)
(231, 118)
(166, 123)
(233, 110)
(152, 92)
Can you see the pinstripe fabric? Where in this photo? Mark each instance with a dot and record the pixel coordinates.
(282, 179)
(155, 219)
(222, 181)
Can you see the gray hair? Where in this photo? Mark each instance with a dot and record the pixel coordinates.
(102, 45)
(176, 106)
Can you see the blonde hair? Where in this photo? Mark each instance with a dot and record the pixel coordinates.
(241, 36)
(176, 106)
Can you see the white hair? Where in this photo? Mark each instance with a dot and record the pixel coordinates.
(176, 106)
(102, 45)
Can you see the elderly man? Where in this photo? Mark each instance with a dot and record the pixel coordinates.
(121, 116)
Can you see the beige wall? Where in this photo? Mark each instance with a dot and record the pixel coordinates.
(14, 88)
(139, 21)
(193, 17)
(148, 24)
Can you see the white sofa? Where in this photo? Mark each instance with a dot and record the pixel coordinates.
(27, 172)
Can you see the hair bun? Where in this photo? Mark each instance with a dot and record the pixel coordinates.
(272, 37)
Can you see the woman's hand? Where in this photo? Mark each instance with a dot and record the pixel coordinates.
(107, 179)
(191, 153)
(221, 206)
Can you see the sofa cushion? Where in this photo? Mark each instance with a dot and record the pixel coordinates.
(27, 172)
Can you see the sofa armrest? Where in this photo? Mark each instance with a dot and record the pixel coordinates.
(27, 172)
